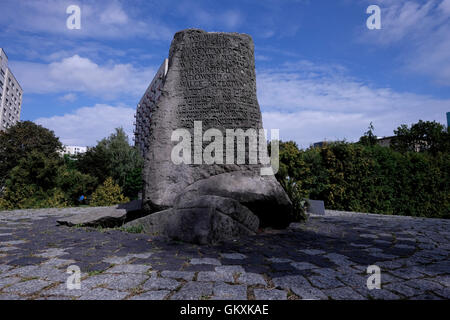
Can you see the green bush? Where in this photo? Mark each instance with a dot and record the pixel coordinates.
(108, 194)
(370, 178)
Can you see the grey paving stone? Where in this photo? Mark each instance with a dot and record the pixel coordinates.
(444, 292)
(369, 236)
(312, 252)
(42, 272)
(404, 246)
(194, 291)
(303, 265)
(8, 281)
(402, 289)
(115, 281)
(326, 272)
(160, 284)
(57, 262)
(185, 275)
(205, 261)
(353, 280)
(4, 268)
(27, 287)
(388, 265)
(279, 260)
(51, 253)
(442, 280)
(103, 294)
(11, 243)
(381, 255)
(233, 256)
(251, 279)
(309, 293)
(382, 242)
(360, 245)
(289, 282)
(57, 298)
(8, 249)
(322, 282)
(423, 284)
(7, 296)
(230, 269)
(382, 294)
(343, 294)
(215, 276)
(144, 255)
(117, 260)
(426, 296)
(129, 268)
(152, 295)
(272, 294)
(223, 291)
(407, 273)
(62, 290)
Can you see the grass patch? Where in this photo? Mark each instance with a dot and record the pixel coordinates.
(133, 229)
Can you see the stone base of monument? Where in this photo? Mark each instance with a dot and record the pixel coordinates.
(203, 220)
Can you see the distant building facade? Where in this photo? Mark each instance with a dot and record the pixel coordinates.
(74, 150)
(10, 95)
(448, 119)
(146, 106)
(385, 141)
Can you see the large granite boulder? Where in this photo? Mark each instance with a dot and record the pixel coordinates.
(210, 79)
(204, 220)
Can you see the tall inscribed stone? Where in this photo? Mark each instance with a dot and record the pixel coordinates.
(210, 78)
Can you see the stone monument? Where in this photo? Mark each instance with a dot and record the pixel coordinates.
(207, 83)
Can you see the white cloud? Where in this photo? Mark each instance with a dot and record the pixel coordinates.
(321, 102)
(99, 19)
(422, 30)
(78, 74)
(87, 125)
(114, 14)
(70, 97)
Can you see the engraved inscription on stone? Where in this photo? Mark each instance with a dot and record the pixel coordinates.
(218, 82)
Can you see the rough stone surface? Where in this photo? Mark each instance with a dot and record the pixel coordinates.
(104, 216)
(207, 219)
(255, 267)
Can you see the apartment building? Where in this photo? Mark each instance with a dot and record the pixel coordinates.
(10, 95)
(74, 150)
(145, 108)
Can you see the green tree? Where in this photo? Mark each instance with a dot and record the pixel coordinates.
(74, 184)
(369, 138)
(19, 141)
(114, 157)
(423, 136)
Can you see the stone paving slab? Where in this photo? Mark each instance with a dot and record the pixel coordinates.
(325, 258)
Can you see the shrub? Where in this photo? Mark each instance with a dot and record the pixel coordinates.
(368, 178)
(108, 194)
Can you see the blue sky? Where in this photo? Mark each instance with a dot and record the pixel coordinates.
(321, 73)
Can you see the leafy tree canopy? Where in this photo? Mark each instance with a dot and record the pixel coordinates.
(114, 157)
(423, 136)
(19, 141)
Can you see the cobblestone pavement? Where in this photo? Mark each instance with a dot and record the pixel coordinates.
(326, 258)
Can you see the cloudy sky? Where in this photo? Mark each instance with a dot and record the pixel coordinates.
(321, 73)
